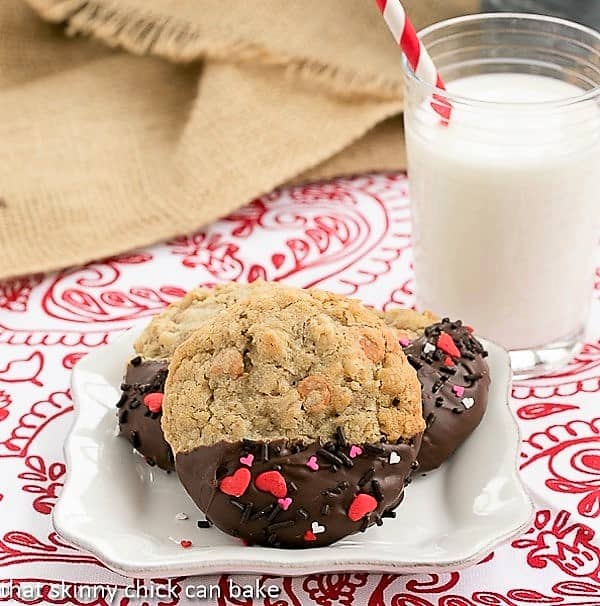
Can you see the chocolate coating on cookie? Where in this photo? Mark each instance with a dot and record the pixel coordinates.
(287, 494)
(138, 423)
(455, 381)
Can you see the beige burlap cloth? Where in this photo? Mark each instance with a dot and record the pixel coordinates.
(103, 150)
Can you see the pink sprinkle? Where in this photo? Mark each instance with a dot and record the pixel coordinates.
(458, 390)
(355, 451)
(247, 460)
(312, 464)
(404, 342)
(284, 503)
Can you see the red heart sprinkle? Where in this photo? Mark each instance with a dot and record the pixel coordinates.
(236, 484)
(272, 482)
(154, 401)
(448, 361)
(309, 535)
(186, 544)
(362, 505)
(470, 329)
(446, 343)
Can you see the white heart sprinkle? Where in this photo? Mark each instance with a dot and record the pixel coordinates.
(317, 528)
(429, 348)
(468, 402)
(181, 516)
(394, 458)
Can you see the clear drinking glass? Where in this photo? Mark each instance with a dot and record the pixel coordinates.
(505, 197)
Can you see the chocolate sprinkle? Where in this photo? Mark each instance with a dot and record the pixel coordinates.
(134, 438)
(204, 524)
(414, 362)
(367, 477)
(373, 449)
(436, 386)
(325, 509)
(377, 490)
(278, 525)
(246, 513)
(261, 513)
(341, 436)
(276, 511)
(346, 460)
(265, 452)
(136, 361)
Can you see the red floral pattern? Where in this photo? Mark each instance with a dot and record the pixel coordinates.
(351, 236)
(14, 294)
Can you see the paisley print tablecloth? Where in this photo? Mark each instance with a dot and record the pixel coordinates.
(351, 236)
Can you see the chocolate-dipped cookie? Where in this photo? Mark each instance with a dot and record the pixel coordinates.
(288, 494)
(454, 376)
(140, 411)
(294, 417)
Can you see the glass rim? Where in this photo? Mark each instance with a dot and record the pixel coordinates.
(589, 95)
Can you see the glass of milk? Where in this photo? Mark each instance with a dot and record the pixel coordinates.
(506, 195)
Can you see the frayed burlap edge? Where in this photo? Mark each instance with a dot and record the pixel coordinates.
(180, 41)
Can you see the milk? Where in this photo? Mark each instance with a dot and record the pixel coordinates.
(506, 208)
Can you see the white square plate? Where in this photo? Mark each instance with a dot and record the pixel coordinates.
(122, 511)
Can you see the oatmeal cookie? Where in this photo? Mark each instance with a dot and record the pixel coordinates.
(294, 417)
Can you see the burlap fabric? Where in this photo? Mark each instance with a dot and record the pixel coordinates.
(103, 150)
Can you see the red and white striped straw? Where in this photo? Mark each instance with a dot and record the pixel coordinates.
(416, 54)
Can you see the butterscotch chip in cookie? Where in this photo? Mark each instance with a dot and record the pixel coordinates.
(294, 416)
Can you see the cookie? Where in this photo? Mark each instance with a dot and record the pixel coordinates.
(140, 411)
(455, 379)
(407, 323)
(174, 324)
(294, 417)
(158, 342)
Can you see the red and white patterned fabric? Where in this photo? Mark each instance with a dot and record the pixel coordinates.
(351, 236)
